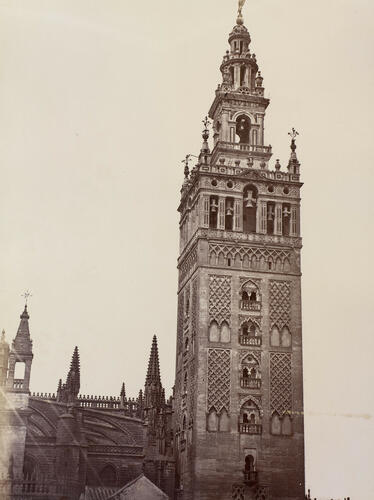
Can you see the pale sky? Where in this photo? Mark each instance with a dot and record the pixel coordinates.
(99, 103)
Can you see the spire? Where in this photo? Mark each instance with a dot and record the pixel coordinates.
(73, 378)
(153, 373)
(3, 341)
(23, 329)
(123, 391)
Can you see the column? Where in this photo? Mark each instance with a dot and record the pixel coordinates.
(221, 213)
(278, 219)
(238, 217)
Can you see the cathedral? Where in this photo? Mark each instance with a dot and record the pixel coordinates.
(233, 428)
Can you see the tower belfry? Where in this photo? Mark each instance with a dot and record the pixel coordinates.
(238, 387)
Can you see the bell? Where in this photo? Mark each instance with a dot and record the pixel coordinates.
(286, 212)
(229, 210)
(250, 201)
(213, 206)
(270, 213)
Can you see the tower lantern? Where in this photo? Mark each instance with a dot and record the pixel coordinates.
(238, 386)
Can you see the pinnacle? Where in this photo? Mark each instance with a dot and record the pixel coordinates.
(153, 373)
(23, 329)
(123, 390)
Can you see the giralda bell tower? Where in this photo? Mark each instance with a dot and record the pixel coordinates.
(239, 384)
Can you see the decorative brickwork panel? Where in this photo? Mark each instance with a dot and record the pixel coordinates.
(280, 383)
(195, 310)
(220, 298)
(237, 492)
(251, 257)
(180, 322)
(219, 362)
(262, 493)
(280, 303)
(188, 264)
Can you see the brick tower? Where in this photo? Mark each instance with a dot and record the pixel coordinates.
(239, 388)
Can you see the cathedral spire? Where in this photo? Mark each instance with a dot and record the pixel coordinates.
(73, 378)
(153, 386)
(153, 372)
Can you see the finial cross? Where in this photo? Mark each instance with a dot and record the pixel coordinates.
(293, 134)
(26, 295)
(206, 122)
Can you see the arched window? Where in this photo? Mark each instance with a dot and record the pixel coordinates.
(250, 209)
(275, 424)
(286, 337)
(245, 373)
(274, 337)
(185, 383)
(243, 126)
(186, 346)
(249, 463)
(212, 423)
(252, 330)
(225, 332)
(245, 295)
(250, 419)
(214, 332)
(253, 297)
(108, 476)
(229, 213)
(213, 212)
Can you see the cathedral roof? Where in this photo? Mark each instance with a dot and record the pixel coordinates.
(140, 488)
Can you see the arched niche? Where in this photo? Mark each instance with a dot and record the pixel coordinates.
(242, 129)
(250, 195)
(276, 426)
(108, 475)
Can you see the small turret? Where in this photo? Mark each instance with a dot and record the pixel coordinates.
(20, 357)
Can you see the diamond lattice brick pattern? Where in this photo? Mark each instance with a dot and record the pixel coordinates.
(280, 303)
(220, 298)
(219, 362)
(280, 383)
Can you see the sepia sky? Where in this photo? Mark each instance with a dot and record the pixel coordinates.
(99, 103)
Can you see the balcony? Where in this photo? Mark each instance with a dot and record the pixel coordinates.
(251, 148)
(250, 305)
(250, 428)
(250, 340)
(250, 477)
(18, 383)
(250, 383)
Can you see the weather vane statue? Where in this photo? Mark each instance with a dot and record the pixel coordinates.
(240, 15)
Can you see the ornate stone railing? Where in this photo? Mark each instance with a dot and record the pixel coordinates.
(37, 488)
(101, 449)
(249, 305)
(250, 340)
(252, 148)
(250, 477)
(250, 383)
(18, 383)
(250, 428)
